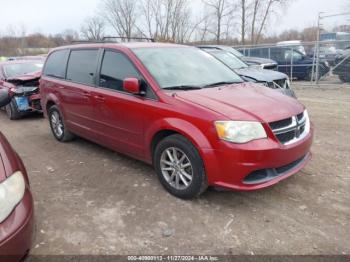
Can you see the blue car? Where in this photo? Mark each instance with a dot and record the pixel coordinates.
(291, 62)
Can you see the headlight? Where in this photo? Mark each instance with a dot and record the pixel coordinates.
(11, 193)
(288, 83)
(240, 131)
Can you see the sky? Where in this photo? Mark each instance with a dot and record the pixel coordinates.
(52, 16)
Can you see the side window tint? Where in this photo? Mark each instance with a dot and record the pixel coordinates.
(82, 66)
(115, 68)
(56, 64)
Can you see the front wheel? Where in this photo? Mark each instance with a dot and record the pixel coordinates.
(179, 167)
(58, 128)
(12, 111)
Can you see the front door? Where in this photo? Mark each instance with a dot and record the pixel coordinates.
(119, 115)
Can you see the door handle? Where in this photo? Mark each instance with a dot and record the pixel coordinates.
(100, 98)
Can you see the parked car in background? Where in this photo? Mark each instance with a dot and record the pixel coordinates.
(21, 77)
(269, 78)
(343, 66)
(259, 62)
(292, 62)
(178, 108)
(16, 201)
(293, 44)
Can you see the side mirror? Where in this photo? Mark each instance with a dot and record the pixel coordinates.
(132, 85)
(5, 98)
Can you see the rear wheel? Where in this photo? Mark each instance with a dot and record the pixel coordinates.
(12, 111)
(179, 167)
(58, 128)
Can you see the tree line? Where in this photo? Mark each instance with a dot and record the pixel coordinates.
(184, 21)
(232, 22)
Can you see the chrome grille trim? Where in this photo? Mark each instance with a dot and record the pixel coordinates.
(294, 132)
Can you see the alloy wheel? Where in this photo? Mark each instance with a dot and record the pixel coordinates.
(176, 168)
(57, 124)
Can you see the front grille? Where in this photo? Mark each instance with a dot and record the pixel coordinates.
(265, 175)
(281, 123)
(292, 129)
(281, 83)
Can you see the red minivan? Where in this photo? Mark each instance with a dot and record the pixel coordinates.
(179, 109)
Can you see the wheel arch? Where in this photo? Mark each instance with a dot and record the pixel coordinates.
(171, 126)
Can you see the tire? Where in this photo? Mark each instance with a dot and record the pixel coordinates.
(58, 128)
(12, 111)
(171, 175)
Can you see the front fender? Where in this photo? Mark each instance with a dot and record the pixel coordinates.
(183, 127)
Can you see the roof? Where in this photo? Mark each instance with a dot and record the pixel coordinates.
(132, 45)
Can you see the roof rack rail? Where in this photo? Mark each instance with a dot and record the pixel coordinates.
(128, 38)
(86, 41)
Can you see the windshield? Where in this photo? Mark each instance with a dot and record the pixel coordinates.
(13, 70)
(235, 52)
(230, 60)
(178, 66)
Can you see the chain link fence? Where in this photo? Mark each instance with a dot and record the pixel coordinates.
(325, 62)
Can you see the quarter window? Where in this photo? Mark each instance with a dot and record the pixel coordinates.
(82, 66)
(56, 64)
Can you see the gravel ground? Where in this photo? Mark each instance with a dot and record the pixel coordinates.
(90, 200)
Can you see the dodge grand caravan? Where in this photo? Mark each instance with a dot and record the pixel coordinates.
(178, 108)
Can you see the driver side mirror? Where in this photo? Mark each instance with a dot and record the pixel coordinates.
(5, 98)
(132, 86)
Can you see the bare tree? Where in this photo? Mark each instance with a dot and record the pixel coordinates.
(220, 12)
(121, 16)
(255, 9)
(93, 28)
(262, 11)
(243, 20)
(167, 20)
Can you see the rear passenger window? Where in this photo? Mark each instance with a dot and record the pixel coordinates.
(115, 68)
(56, 64)
(82, 66)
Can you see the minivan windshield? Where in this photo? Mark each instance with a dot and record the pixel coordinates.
(229, 59)
(185, 67)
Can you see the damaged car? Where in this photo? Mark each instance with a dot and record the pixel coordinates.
(272, 79)
(21, 79)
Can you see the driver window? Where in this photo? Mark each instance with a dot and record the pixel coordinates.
(115, 68)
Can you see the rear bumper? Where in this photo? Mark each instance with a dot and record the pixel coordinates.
(231, 165)
(16, 232)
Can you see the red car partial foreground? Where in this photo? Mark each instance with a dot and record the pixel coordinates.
(179, 109)
(16, 202)
(21, 77)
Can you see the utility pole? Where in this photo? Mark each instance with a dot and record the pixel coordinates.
(318, 47)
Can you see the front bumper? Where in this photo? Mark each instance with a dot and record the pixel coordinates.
(16, 232)
(230, 165)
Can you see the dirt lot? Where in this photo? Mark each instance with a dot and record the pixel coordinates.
(90, 200)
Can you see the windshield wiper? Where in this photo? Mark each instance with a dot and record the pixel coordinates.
(222, 83)
(183, 87)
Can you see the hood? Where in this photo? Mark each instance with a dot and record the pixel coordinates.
(258, 60)
(245, 102)
(24, 78)
(261, 75)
